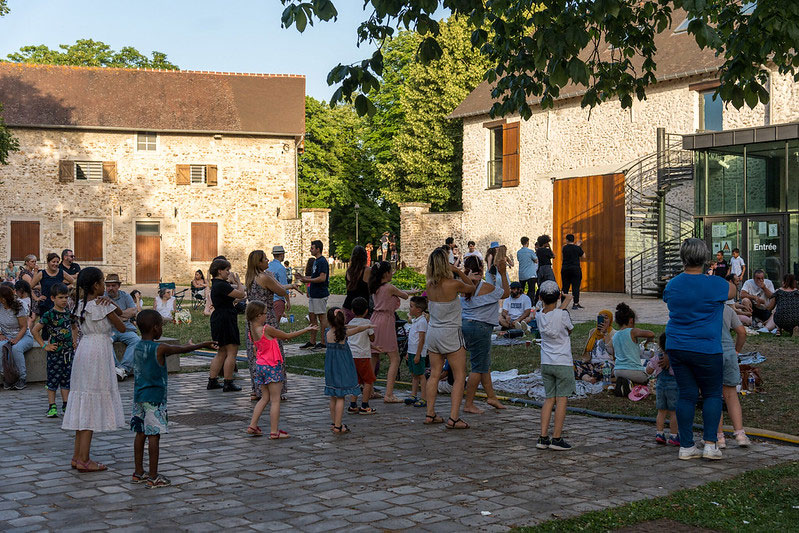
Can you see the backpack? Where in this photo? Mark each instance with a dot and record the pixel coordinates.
(9, 367)
(623, 387)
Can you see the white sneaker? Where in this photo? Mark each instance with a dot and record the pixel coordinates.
(690, 453)
(743, 440)
(711, 451)
(121, 374)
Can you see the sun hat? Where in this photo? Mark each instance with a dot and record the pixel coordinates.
(549, 287)
(112, 278)
(639, 392)
(278, 250)
(494, 244)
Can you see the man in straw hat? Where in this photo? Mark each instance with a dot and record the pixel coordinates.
(126, 304)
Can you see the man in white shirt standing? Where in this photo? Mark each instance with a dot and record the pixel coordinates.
(516, 310)
(755, 296)
(737, 267)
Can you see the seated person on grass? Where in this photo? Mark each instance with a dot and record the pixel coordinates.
(755, 296)
(517, 310)
(598, 350)
(625, 346)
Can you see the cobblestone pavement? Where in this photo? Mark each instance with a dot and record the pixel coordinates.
(391, 473)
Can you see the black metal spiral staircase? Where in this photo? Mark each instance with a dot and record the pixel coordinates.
(655, 227)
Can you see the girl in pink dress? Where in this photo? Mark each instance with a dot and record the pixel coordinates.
(386, 301)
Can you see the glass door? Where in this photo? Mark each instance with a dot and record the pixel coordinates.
(723, 235)
(766, 246)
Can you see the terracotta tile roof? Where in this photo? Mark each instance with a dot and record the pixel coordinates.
(157, 100)
(678, 57)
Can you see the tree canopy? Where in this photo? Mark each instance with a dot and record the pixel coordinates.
(536, 47)
(91, 53)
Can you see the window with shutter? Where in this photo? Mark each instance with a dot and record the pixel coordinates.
(109, 172)
(210, 172)
(495, 158)
(183, 175)
(88, 238)
(24, 239)
(510, 154)
(66, 171)
(198, 174)
(88, 171)
(203, 241)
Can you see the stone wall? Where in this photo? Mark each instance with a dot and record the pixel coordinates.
(569, 141)
(253, 203)
(422, 231)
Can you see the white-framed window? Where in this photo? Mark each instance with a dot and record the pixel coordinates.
(683, 27)
(89, 170)
(711, 111)
(146, 142)
(198, 174)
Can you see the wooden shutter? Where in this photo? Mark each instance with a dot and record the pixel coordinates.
(210, 175)
(109, 172)
(510, 154)
(203, 241)
(183, 175)
(24, 239)
(66, 171)
(88, 241)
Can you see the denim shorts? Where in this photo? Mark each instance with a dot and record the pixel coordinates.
(666, 392)
(477, 335)
(731, 376)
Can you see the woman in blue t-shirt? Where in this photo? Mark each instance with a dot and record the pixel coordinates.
(693, 345)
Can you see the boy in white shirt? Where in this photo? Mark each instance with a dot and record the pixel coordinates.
(737, 267)
(417, 353)
(360, 345)
(557, 371)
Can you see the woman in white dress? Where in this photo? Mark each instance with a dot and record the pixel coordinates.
(165, 304)
(94, 402)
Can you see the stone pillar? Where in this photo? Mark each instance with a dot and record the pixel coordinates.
(315, 226)
(412, 230)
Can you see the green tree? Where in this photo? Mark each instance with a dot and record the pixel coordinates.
(426, 152)
(8, 143)
(536, 47)
(337, 171)
(91, 53)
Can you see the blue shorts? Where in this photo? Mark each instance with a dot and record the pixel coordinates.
(731, 375)
(477, 336)
(666, 392)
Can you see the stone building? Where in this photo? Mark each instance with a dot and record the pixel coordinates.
(595, 173)
(149, 173)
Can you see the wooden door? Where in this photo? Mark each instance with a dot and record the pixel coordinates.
(592, 208)
(24, 239)
(148, 252)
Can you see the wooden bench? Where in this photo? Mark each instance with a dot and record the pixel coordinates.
(36, 360)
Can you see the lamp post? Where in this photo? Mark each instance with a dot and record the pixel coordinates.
(357, 207)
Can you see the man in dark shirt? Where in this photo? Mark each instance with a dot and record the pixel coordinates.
(68, 263)
(571, 274)
(317, 294)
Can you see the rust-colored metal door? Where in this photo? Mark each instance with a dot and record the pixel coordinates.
(148, 252)
(592, 208)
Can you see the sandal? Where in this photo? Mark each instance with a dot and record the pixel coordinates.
(341, 429)
(139, 478)
(158, 482)
(433, 419)
(254, 431)
(420, 403)
(455, 423)
(279, 435)
(391, 399)
(74, 464)
(90, 466)
(367, 411)
(352, 410)
(254, 398)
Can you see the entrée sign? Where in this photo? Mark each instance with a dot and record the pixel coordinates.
(765, 248)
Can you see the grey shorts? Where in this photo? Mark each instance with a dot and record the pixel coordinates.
(444, 341)
(558, 380)
(317, 306)
(731, 375)
(636, 376)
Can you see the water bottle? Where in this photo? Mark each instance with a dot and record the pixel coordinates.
(291, 319)
(606, 374)
(751, 386)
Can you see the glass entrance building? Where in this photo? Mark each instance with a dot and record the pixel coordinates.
(746, 195)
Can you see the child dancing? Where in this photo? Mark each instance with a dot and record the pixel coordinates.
(149, 419)
(269, 374)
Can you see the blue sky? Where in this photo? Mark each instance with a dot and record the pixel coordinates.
(235, 36)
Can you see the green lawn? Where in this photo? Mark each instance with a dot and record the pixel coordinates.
(760, 500)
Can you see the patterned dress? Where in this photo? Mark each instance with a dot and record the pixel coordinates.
(256, 292)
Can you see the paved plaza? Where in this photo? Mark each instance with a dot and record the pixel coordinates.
(391, 473)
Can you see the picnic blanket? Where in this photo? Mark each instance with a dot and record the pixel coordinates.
(532, 384)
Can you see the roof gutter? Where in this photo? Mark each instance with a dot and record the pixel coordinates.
(134, 130)
(668, 77)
